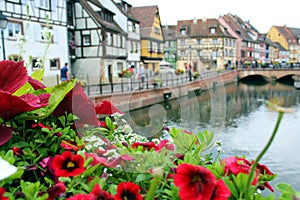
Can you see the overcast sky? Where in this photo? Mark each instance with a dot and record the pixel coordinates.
(262, 14)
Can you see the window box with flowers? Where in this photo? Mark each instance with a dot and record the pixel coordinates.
(156, 82)
(179, 71)
(195, 74)
(125, 73)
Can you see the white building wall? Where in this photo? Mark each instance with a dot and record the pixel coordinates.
(34, 46)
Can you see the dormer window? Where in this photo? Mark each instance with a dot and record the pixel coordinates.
(183, 31)
(212, 30)
(238, 32)
(106, 15)
(156, 31)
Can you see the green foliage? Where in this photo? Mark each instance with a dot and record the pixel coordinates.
(287, 192)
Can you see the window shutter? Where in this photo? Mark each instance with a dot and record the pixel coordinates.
(37, 32)
(53, 5)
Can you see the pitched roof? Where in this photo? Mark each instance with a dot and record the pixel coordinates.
(121, 5)
(169, 32)
(200, 27)
(295, 32)
(96, 17)
(237, 25)
(286, 33)
(281, 48)
(146, 16)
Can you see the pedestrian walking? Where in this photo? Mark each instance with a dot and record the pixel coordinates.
(142, 76)
(64, 73)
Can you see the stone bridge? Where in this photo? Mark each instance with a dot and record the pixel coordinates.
(268, 74)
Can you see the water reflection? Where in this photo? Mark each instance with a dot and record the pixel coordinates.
(241, 120)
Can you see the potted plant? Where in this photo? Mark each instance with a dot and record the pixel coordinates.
(179, 71)
(156, 82)
(195, 74)
(125, 73)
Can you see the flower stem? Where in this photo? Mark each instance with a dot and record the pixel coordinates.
(260, 155)
(154, 184)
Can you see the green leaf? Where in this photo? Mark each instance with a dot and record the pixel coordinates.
(57, 93)
(38, 74)
(142, 177)
(285, 188)
(25, 89)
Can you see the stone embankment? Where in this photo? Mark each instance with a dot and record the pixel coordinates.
(141, 98)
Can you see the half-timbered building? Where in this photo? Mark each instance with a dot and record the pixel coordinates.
(27, 20)
(100, 50)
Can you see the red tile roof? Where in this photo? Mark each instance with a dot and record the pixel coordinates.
(146, 16)
(196, 28)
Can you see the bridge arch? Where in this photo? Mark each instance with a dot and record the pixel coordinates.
(269, 74)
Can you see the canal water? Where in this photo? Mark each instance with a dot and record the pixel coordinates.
(238, 115)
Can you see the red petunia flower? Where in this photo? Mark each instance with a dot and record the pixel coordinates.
(221, 191)
(98, 193)
(68, 164)
(147, 146)
(164, 143)
(263, 169)
(81, 197)
(235, 165)
(106, 108)
(128, 190)
(194, 182)
(56, 190)
(2, 197)
(17, 151)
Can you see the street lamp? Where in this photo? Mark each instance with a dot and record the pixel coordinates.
(3, 25)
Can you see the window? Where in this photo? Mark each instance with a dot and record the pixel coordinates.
(44, 32)
(182, 31)
(35, 65)
(159, 49)
(150, 48)
(15, 57)
(54, 64)
(15, 1)
(86, 40)
(119, 66)
(214, 41)
(44, 4)
(199, 41)
(14, 29)
(212, 30)
(156, 31)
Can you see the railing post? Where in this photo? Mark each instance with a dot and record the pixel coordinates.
(122, 86)
(112, 86)
(100, 86)
(88, 84)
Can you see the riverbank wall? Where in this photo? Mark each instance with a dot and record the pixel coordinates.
(142, 98)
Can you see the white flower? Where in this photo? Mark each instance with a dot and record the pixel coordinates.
(88, 147)
(6, 169)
